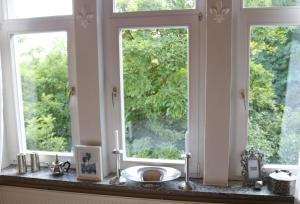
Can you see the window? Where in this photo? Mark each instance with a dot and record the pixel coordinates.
(158, 117)
(41, 60)
(38, 8)
(155, 5)
(270, 3)
(153, 82)
(155, 93)
(267, 78)
(274, 105)
(38, 65)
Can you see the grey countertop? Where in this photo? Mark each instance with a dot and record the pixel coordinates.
(234, 193)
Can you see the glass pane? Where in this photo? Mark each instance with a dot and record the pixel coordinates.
(153, 5)
(270, 3)
(155, 89)
(38, 8)
(274, 114)
(41, 60)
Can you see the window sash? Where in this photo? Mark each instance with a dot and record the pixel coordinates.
(113, 23)
(12, 83)
(247, 17)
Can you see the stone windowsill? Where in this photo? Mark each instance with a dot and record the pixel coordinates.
(234, 193)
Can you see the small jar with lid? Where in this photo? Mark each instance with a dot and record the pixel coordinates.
(282, 182)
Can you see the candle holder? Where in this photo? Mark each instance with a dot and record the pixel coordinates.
(118, 180)
(186, 184)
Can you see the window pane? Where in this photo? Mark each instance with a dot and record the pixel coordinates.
(155, 79)
(41, 60)
(154, 5)
(270, 3)
(38, 8)
(274, 114)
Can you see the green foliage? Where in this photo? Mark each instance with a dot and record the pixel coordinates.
(270, 3)
(257, 3)
(44, 90)
(143, 148)
(153, 5)
(41, 135)
(155, 88)
(290, 142)
(274, 123)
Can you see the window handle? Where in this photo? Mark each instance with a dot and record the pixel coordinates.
(114, 95)
(243, 96)
(200, 16)
(71, 93)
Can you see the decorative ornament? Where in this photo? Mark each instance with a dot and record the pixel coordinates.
(85, 16)
(219, 12)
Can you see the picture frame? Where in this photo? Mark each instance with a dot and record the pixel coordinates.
(252, 162)
(88, 162)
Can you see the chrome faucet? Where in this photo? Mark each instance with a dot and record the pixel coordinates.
(186, 184)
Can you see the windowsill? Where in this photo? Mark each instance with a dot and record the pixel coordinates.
(235, 193)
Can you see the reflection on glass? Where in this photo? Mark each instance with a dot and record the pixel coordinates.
(41, 60)
(155, 92)
(274, 102)
(270, 3)
(38, 8)
(153, 5)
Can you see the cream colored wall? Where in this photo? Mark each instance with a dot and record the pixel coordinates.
(33, 196)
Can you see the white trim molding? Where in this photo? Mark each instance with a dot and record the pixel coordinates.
(219, 12)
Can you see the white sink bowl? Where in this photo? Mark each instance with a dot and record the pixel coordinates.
(150, 174)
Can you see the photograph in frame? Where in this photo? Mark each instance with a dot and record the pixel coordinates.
(88, 163)
(251, 162)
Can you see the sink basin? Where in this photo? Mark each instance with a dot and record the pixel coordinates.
(150, 174)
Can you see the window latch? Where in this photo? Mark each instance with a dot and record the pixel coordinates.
(114, 95)
(200, 16)
(243, 96)
(71, 93)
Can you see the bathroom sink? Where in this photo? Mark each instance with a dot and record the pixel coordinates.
(150, 174)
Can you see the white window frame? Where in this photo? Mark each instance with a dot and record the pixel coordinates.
(14, 118)
(245, 18)
(113, 22)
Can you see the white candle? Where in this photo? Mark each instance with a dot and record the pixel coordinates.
(117, 139)
(187, 142)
